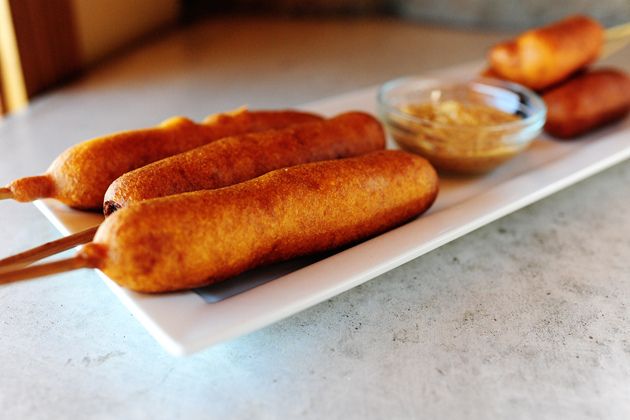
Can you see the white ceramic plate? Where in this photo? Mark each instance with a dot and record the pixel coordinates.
(186, 322)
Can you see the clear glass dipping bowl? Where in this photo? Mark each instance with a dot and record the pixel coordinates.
(467, 149)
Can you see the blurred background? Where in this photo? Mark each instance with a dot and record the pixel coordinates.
(46, 42)
(502, 14)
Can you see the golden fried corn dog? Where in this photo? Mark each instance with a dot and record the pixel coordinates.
(586, 102)
(198, 238)
(542, 57)
(235, 159)
(80, 176)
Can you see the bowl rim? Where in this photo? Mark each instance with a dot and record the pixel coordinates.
(538, 106)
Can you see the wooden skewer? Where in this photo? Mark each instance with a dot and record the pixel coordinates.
(46, 269)
(617, 32)
(611, 47)
(5, 193)
(616, 38)
(47, 249)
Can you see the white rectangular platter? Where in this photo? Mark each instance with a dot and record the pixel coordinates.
(185, 322)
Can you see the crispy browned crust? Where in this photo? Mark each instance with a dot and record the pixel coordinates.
(81, 175)
(198, 238)
(504, 62)
(545, 56)
(491, 74)
(587, 102)
(236, 159)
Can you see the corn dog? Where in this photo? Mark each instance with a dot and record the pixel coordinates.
(586, 102)
(225, 162)
(198, 238)
(239, 158)
(80, 176)
(545, 56)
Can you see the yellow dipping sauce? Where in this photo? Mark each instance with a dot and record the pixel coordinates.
(456, 136)
(457, 113)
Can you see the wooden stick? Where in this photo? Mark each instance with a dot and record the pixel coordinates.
(617, 32)
(50, 248)
(616, 38)
(5, 193)
(47, 269)
(611, 47)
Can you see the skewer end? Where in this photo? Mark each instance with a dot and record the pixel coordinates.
(49, 248)
(47, 269)
(6, 193)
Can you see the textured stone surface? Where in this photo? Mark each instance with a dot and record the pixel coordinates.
(524, 318)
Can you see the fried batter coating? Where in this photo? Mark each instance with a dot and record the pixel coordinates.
(236, 159)
(542, 57)
(80, 176)
(198, 238)
(586, 102)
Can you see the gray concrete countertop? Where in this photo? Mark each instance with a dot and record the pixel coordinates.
(524, 318)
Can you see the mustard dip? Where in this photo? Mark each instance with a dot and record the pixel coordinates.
(456, 136)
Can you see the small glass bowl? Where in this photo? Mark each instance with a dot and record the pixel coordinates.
(468, 149)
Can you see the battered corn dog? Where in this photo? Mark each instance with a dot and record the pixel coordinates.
(586, 102)
(542, 57)
(80, 176)
(198, 238)
(235, 159)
